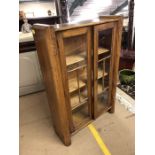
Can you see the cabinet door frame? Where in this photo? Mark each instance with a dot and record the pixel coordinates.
(67, 34)
(97, 29)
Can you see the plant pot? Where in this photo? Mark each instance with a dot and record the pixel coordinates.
(127, 76)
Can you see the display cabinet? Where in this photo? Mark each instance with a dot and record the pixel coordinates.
(79, 65)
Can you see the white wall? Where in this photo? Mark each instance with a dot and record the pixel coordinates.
(93, 8)
(37, 9)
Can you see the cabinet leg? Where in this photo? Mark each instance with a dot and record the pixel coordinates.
(66, 139)
(67, 143)
(112, 109)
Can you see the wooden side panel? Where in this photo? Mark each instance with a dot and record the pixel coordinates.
(111, 87)
(119, 25)
(45, 41)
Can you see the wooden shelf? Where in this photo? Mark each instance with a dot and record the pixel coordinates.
(102, 50)
(75, 101)
(104, 58)
(80, 116)
(73, 85)
(100, 73)
(72, 59)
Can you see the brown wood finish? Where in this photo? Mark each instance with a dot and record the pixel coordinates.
(97, 29)
(61, 37)
(119, 26)
(48, 57)
(116, 61)
(89, 69)
(65, 80)
(95, 71)
(56, 46)
(112, 66)
(68, 26)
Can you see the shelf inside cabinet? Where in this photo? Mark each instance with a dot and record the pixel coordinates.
(102, 50)
(72, 59)
(100, 73)
(73, 85)
(104, 58)
(80, 116)
(75, 103)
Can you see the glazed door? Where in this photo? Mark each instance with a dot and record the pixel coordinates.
(75, 55)
(104, 39)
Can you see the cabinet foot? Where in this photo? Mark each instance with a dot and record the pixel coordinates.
(111, 110)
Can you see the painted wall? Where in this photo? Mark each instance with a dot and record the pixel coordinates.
(37, 9)
(94, 8)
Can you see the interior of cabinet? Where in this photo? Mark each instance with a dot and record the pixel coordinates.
(80, 116)
(76, 58)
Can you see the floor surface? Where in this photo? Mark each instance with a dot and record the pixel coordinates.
(37, 136)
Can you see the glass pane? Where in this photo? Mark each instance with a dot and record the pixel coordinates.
(80, 115)
(76, 61)
(75, 51)
(103, 68)
(78, 87)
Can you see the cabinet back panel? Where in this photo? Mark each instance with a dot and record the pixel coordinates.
(75, 44)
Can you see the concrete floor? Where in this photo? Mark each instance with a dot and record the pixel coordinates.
(37, 136)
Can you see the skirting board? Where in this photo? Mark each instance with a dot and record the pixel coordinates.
(126, 100)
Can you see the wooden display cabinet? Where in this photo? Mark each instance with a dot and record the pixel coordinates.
(79, 65)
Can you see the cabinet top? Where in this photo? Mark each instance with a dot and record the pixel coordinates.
(70, 25)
